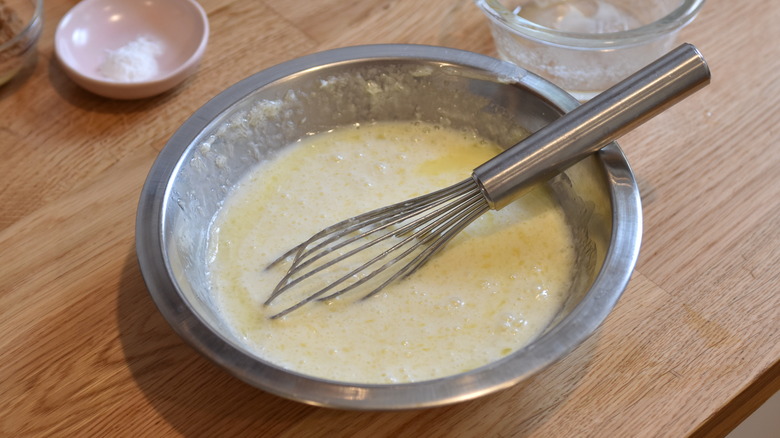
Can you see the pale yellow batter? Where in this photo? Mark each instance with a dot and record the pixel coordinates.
(490, 292)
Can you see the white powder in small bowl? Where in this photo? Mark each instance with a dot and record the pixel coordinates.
(133, 62)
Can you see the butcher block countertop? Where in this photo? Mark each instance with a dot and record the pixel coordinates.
(692, 348)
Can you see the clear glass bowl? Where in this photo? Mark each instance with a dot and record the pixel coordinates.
(586, 46)
(21, 24)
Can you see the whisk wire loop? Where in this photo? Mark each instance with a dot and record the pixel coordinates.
(434, 235)
(423, 224)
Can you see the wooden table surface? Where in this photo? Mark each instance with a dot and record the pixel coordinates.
(691, 349)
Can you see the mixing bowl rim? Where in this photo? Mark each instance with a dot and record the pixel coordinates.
(572, 330)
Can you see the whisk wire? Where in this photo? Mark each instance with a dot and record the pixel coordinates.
(375, 221)
(423, 236)
(424, 224)
(470, 214)
(380, 217)
(438, 242)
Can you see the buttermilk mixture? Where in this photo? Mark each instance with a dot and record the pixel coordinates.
(488, 293)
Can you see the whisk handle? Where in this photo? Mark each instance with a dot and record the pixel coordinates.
(593, 125)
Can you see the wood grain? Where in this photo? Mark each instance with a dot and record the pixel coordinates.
(691, 349)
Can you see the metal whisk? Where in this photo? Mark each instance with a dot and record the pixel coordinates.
(394, 241)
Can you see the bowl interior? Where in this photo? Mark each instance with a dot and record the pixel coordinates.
(94, 27)
(258, 117)
(18, 16)
(22, 23)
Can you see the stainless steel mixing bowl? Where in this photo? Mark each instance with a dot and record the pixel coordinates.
(254, 119)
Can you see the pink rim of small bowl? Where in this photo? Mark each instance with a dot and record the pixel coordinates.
(92, 27)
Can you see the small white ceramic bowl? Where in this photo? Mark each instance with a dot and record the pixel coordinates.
(94, 29)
